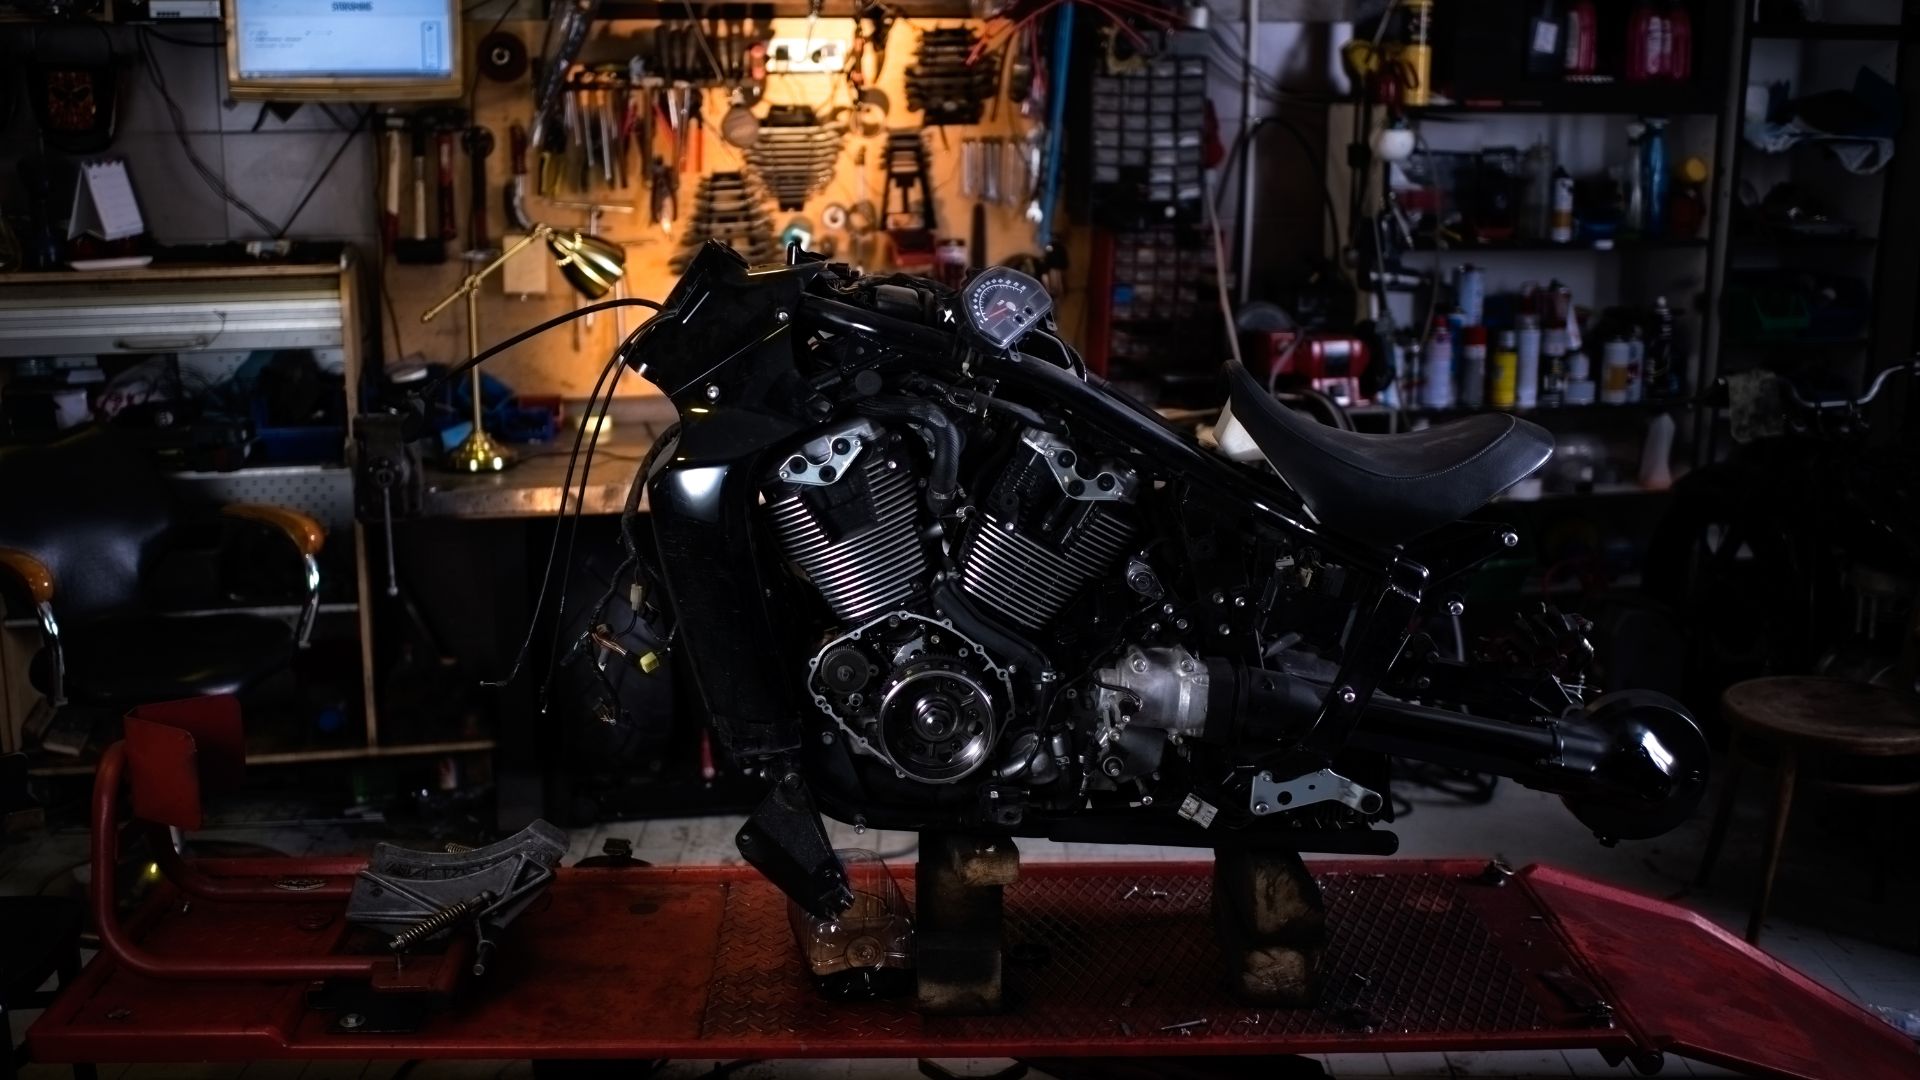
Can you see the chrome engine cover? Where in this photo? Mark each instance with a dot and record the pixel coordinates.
(915, 693)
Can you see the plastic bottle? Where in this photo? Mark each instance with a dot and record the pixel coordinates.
(1562, 228)
(1647, 43)
(1653, 163)
(1582, 41)
(1636, 217)
(1413, 374)
(1553, 367)
(1473, 367)
(1659, 372)
(1616, 366)
(1437, 393)
(1656, 472)
(1503, 377)
(1526, 378)
(1416, 54)
(1470, 289)
(1538, 218)
(1545, 51)
(1636, 367)
(1679, 42)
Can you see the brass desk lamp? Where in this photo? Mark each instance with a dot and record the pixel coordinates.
(590, 264)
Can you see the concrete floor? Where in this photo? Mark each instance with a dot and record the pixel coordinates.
(1824, 921)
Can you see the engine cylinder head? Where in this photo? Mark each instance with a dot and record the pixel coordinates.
(847, 516)
(1055, 521)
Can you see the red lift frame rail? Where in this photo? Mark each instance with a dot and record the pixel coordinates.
(1104, 959)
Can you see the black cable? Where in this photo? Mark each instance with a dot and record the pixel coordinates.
(573, 529)
(1314, 160)
(314, 188)
(553, 547)
(492, 351)
(214, 181)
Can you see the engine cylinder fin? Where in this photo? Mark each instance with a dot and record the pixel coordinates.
(1028, 581)
(880, 567)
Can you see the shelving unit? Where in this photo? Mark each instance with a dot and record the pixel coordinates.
(1817, 56)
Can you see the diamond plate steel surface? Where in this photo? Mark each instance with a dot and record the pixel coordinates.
(1409, 954)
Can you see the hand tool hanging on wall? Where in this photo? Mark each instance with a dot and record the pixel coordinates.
(517, 184)
(443, 181)
(795, 155)
(910, 228)
(419, 248)
(567, 24)
(728, 208)
(948, 81)
(479, 145)
(394, 126)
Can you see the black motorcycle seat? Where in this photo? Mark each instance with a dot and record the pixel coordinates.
(1388, 489)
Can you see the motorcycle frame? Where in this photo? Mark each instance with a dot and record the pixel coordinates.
(736, 411)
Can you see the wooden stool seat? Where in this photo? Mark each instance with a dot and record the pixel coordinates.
(1830, 723)
(1831, 717)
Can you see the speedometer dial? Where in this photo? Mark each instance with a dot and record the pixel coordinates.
(1002, 304)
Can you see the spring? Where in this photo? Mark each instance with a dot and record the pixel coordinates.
(451, 915)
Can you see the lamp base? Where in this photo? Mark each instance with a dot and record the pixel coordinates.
(478, 453)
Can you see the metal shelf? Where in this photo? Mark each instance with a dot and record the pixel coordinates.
(1628, 246)
(304, 757)
(1814, 31)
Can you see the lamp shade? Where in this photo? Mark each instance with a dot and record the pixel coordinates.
(592, 265)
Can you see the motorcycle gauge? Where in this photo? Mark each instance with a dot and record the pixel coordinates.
(1002, 304)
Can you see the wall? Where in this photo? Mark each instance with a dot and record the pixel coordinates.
(270, 163)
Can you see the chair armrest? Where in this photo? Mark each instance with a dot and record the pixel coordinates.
(306, 535)
(28, 573)
(33, 578)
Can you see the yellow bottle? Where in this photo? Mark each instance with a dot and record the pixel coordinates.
(1503, 371)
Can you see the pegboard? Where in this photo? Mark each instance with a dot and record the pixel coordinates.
(324, 492)
(566, 362)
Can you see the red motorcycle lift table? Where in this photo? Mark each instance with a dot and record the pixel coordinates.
(1103, 960)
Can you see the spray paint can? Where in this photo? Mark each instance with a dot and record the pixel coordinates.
(1473, 367)
(1526, 378)
(1553, 367)
(1437, 393)
(1616, 361)
(1416, 54)
(1505, 371)
(1562, 228)
(1470, 288)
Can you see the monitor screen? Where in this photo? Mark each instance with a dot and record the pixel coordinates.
(360, 40)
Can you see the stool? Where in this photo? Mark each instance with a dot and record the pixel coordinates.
(39, 938)
(1819, 722)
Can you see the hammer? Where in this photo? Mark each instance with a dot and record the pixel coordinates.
(420, 249)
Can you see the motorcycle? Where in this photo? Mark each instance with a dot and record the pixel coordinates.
(929, 573)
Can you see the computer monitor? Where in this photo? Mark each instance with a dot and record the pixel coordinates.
(343, 50)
